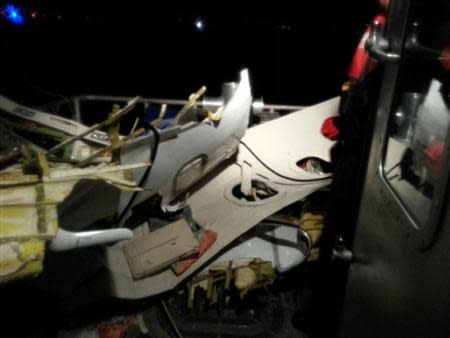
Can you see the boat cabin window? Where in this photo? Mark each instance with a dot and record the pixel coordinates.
(417, 146)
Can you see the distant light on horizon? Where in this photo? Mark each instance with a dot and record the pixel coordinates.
(199, 25)
(13, 14)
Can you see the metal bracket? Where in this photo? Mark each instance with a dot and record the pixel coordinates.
(415, 49)
(340, 252)
(67, 240)
(377, 46)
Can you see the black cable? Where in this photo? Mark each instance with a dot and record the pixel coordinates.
(171, 321)
(147, 171)
(300, 230)
(281, 175)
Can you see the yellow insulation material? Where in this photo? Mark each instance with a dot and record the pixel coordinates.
(20, 259)
(312, 221)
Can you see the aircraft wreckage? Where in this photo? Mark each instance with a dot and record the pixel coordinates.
(175, 198)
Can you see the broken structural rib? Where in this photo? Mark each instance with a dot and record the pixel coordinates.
(188, 152)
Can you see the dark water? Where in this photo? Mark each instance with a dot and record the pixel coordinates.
(296, 52)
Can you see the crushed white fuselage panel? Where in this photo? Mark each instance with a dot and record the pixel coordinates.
(182, 146)
(230, 219)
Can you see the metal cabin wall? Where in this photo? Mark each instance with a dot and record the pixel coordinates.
(397, 286)
(397, 290)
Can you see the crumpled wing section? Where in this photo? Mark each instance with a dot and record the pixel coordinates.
(230, 218)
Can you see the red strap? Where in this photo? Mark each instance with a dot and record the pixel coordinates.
(362, 64)
(106, 330)
(434, 153)
(329, 129)
(208, 239)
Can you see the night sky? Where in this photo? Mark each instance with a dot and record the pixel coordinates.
(297, 52)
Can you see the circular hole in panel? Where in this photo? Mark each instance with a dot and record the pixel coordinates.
(313, 165)
(261, 193)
